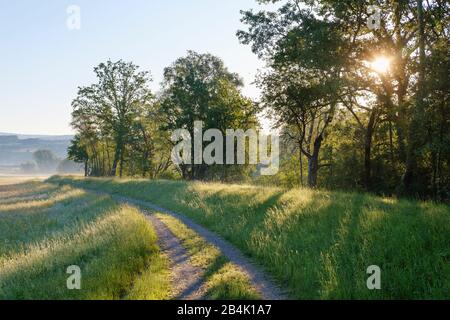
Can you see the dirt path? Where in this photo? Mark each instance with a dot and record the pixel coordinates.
(187, 278)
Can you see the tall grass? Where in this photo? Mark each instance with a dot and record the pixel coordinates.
(319, 244)
(44, 229)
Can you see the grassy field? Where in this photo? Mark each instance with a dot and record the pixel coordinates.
(45, 228)
(9, 180)
(318, 244)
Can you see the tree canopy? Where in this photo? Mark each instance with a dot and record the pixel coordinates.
(377, 80)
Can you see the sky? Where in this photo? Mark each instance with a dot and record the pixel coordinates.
(43, 62)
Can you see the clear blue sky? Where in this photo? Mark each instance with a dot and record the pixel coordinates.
(42, 62)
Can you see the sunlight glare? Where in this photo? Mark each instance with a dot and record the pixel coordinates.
(381, 64)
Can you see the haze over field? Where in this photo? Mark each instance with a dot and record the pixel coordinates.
(35, 155)
(17, 149)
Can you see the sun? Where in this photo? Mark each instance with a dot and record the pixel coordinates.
(381, 64)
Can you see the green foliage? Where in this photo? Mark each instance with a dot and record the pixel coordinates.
(199, 87)
(319, 56)
(116, 124)
(78, 152)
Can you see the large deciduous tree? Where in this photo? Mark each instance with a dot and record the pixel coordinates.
(111, 105)
(302, 85)
(117, 122)
(198, 87)
(114, 102)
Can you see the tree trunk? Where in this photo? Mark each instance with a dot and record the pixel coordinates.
(301, 166)
(415, 130)
(313, 163)
(121, 164)
(368, 151)
(117, 156)
(144, 164)
(400, 121)
(313, 168)
(391, 144)
(114, 166)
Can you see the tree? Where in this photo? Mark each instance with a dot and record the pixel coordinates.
(68, 166)
(304, 108)
(113, 103)
(416, 135)
(78, 153)
(117, 123)
(303, 82)
(199, 87)
(149, 148)
(29, 167)
(46, 160)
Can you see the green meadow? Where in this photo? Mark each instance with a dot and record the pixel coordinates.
(317, 244)
(44, 229)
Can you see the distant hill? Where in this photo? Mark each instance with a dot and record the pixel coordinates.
(17, 148)
(38, 136)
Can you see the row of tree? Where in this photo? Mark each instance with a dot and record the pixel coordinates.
(358, 107)
(125, 129)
